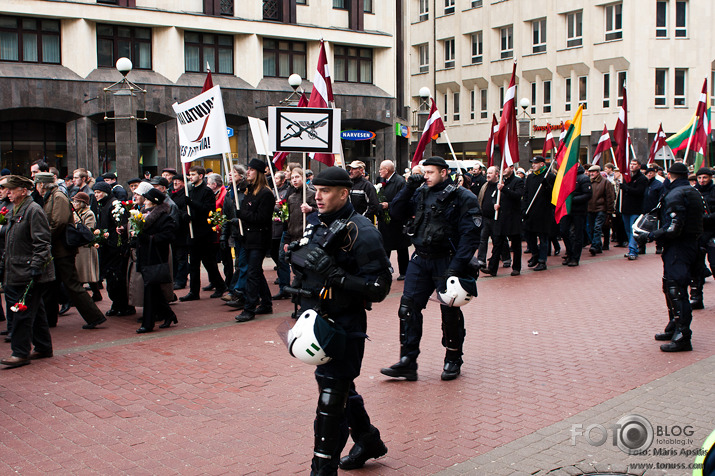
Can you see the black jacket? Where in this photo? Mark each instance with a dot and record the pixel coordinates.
(541, 213)
(256, 214)
(581, 194)
(364, 198)
(509, 219)
(681, 215)
(653, 193)
(156, 236)
(632, 194)
(201, 202)
(106, 220)
(182, 226)
(391, 229)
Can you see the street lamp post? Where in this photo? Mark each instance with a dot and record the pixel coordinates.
(524, 130)
(123, 96)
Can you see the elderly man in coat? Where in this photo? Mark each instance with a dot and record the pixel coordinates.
(27, 270)
(390, 228)
(508, 222)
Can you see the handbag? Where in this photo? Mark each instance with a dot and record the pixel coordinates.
(77, 234)
(156, 273)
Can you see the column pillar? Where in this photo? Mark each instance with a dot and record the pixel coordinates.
(125, 136)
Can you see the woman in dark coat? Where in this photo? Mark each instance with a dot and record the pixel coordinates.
(256, 215)
(153, 247)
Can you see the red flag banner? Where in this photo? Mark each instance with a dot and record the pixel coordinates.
(620, 133)
(490, 142)
(433, 127)
(507, 135)
(549, 142)
(322, 96)
(604, 144)
(658, 143)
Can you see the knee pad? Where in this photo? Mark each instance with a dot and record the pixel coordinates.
(453, 331)
(330, 417)
(406, 308)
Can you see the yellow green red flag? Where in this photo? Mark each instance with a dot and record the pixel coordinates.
(565, 182)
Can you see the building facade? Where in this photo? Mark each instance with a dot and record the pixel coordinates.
(567, 54)
(56, 58)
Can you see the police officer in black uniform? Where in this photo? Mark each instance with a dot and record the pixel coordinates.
(341, 268)
(681, 226)
(445, 231)
(706, 187)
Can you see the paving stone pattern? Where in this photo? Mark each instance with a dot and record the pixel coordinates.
(544, 351)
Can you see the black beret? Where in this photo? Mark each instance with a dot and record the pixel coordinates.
(159, 180)
(154, 196)
(110, 175)
(171, 170)
(537, 158)
(102, 187)
(179, 177)
(678, 168)
(134, 180)
(333, 177)
(704, 171)
(438, 161)
(258, 164)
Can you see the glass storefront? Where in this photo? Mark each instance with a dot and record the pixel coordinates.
(24, 142)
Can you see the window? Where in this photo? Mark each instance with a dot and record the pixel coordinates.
(448, 7)
(507, 42)
(202, 48)
(340, 4)
(29, 40)
(533, 97)
(301, 2)
(472, 103)
(353, 65)
(614, 22)
(476, 3)
(424, 10)
(679, 93)
(574, 22)
(567, 102)
(547, 97)
(621, 85)
(583, 91)
(282, 58)
(446, 108)
(114, 42)
(681, 19)
(606, 90)
(424, 58)
(449, 53)
(367, 6)
(456, 106)
(483, 103)
(661, 19)
(501, 99)
(538, 28)
(661, 80)
(477, 48)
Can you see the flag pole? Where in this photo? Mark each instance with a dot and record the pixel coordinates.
(305, 191)
(551, 165)
(227, 162)
(501, 178)
(188, 208)
(451, 149)
(690, 137)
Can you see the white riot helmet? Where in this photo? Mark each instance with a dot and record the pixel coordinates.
(645, 224)
(302, 342)
(458, 291)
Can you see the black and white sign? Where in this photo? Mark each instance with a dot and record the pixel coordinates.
(304, 129)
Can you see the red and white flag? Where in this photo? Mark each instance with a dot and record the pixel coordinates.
(279, 158)
(620, 134)
(490, 142)
(604, 144)
(700, 136)
(322, 96)
(506, 136)
(658, 143)
(549, 143)
(433, 128)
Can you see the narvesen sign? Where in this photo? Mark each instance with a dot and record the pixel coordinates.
(357, 135)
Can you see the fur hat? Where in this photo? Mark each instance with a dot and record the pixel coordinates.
(154, 196)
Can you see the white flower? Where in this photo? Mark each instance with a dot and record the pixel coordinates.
(378, 187)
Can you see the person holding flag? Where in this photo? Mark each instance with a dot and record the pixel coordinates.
(537, 211)
(571, 192)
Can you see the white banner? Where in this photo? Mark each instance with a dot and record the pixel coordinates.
(260, 135)
(303, 129)
(202, 126)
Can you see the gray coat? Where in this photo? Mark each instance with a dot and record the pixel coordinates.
(27, 245)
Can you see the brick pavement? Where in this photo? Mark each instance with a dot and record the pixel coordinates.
(214, 397)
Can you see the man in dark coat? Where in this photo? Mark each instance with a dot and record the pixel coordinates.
(203, 248)
(478, 177)
(362, 194)
(487, 198)
(538, 212)
(572, 225)
(600, 207)
(180, 247)
(705, 244)
(508, 221)
(390, 228)
(632, 204)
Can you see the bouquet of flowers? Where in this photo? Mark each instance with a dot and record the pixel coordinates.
(137, 220)
(381, 198)
(100, 237)
(282, 213)
(216, 219)
(3, 215)
(118, 211)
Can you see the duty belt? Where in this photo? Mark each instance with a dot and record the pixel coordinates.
(433, 254)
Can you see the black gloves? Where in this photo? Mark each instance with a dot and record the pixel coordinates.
(415, 180)
(319, 262)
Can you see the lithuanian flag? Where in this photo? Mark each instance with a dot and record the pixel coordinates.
(679, 140)
(565, 182)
